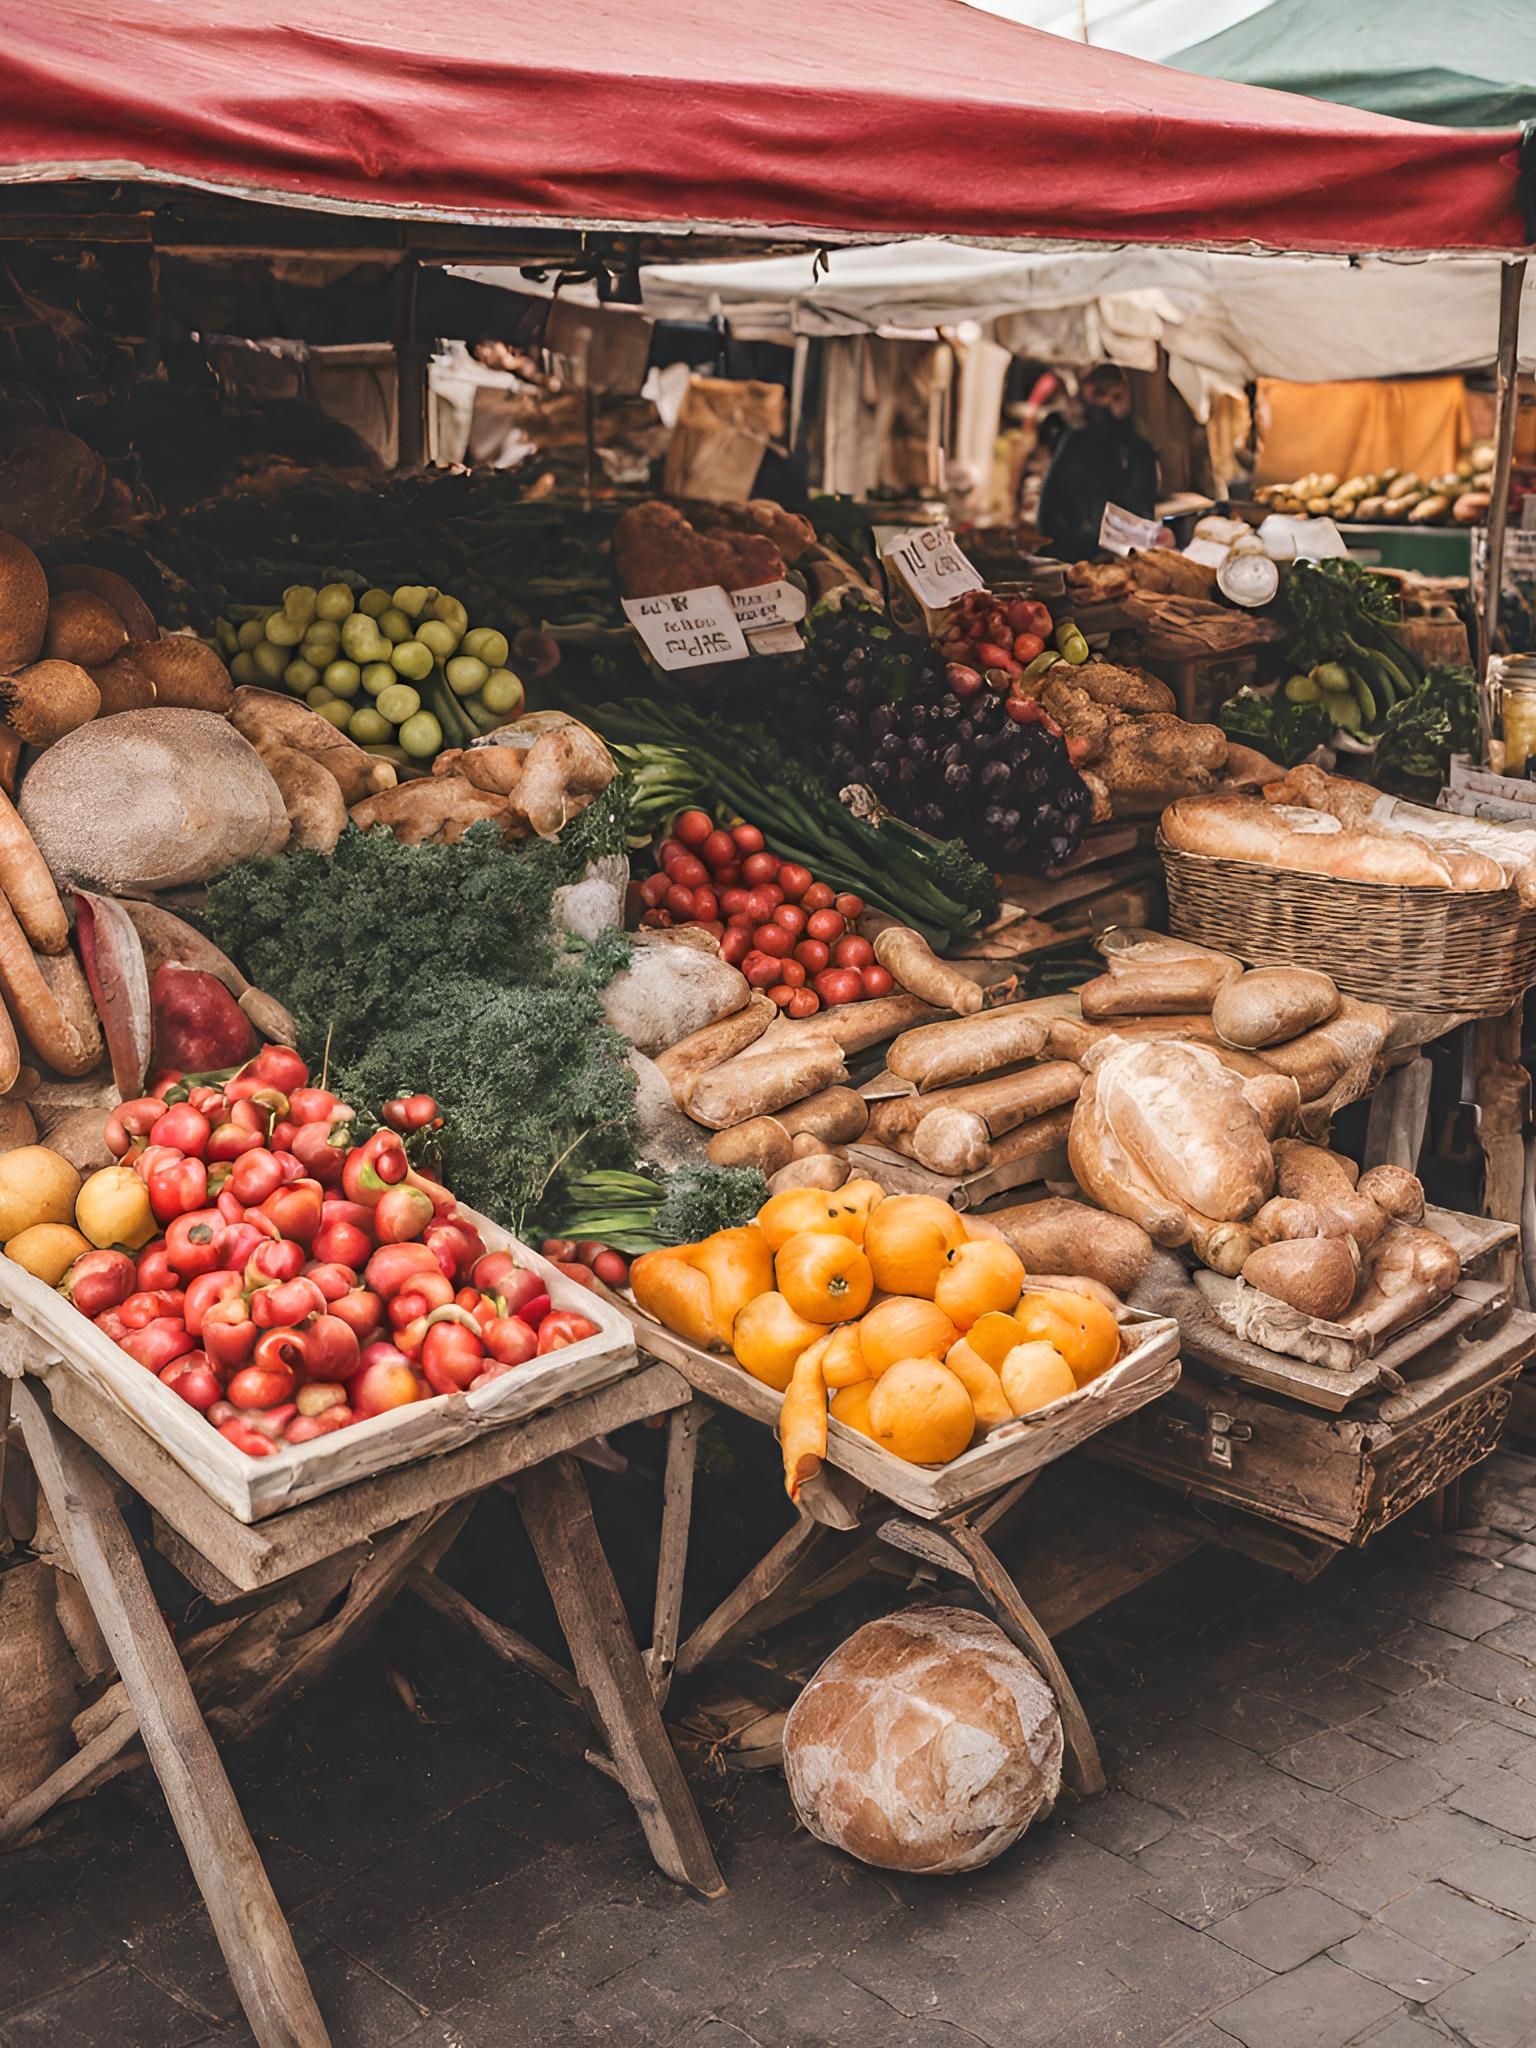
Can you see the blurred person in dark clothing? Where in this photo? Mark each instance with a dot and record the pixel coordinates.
(1103, 462)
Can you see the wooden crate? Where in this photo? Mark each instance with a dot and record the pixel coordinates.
(64, 1341)
(1149, 1368)
(1339, 1478)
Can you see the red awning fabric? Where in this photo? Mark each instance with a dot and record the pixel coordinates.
(844, 117)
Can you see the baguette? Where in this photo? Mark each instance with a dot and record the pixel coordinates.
(857, 1026)
(48, 998)
(28, 885)
(1241, 828)
(682, 1065)
(959, 1049)
(1001, 1103)
(837, 1115)
(1073, 1038)
(756, 1083)
(1157, 987)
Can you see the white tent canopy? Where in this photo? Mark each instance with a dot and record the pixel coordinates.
(1222, 319)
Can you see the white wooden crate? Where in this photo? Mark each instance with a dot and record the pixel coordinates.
(251, 1488)
(1009, 1450)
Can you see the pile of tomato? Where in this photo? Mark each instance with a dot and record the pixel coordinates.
(790, 935)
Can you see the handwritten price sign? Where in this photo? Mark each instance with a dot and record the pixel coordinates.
(688, 628)
(930, 562)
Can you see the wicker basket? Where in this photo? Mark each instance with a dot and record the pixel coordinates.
(1471, 951)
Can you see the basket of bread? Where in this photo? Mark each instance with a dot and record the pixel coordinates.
(1399, 904)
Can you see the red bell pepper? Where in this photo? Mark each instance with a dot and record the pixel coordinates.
(206, 1292)
(101, 1280)
(564, 1327)
(286, 1304)
(402, 1214)
(412, 1113)
(194, 1243)
(451, 1358)
(362, 1311)
(373, 1168)
(230, 1140)
(129, 1125)
(194, 1378)
(331, 1350)
(278, 1066)
(510, 1341)
(228, 1334)
(141, 1309)
(275, 1260)
(295, 1209)
(177, 1188)
(456, 1245)
(157, 1343)
(255, 1175)
(184, 1127)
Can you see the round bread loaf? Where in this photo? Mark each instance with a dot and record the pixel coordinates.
(926, 1743)
(1268, 1005)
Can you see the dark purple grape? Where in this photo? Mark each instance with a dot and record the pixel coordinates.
(992, 820)
(883, 774)
(952, 753)
(918, 749)
(951, 709)
(881, 721)
(958, 777)
(891, 747)
(856, 689)
(907, 771)
(965, 731)
(844, 725)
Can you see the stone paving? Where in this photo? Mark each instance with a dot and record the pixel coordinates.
(1320, 1833)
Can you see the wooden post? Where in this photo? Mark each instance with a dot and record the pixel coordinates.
(410, 371)
(1511, 285)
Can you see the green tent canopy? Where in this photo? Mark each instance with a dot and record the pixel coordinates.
(1468, 66)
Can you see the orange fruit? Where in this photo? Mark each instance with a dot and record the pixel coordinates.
(843, 1364)
(903, 1326)
(767, 1337)
(980, 1381)
(850, 1405)
(1034, 1374)
(824, 1277)
(919, 1411)
(1082, 1330)
(842, 1212)
(908, 1238)
(979, 1277)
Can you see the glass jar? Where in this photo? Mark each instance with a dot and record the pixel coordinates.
(1517, 715)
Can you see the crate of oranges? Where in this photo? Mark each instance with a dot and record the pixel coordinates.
(898, 1341)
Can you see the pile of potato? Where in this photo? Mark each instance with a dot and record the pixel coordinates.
(1392, 497)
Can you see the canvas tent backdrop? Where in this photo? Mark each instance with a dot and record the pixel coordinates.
(870, 119)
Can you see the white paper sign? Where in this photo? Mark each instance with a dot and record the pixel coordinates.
(1210, 554)
(1120, 531)
(930, 561)
(688, 628)
(768, 604)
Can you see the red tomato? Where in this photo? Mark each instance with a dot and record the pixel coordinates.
(1026, 646)
(771, 893)
(759, 905)
(680, 900)
(1027, 615)
(803, 1003)
(748, 839)
(667, 849)
(850, 906)
(706, 905)
(813, 955)
(794, 880)
(733, 900)
(817, 897)
(853, 952)
(772, 938)
(653, 890)
(792, 973)
(761, 969)
(826, 925)
(692, 827)
(782, 994)
(728, 876)
(791, 917)
(877, 980)
(839, 985)
(689, 870)
(718, 850)
(759, 867)
(612, 1268)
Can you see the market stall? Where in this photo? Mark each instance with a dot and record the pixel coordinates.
(403, 874)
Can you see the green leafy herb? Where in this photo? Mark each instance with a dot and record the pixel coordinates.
(1283, 731)
(1421, 734)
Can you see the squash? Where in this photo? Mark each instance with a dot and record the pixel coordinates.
(981, 1381)
(1083, 1331)
(841, 1211)
(979, 1277)
(698, 1290)
(1034, 1374)
(843, 1365)
(38, 1186)
(908, 1238)
(767, 1337)
(803, 1419)
(850, 1406)
(824, 1276)
(920, 1411)
(993, 1336)
(903, 1326)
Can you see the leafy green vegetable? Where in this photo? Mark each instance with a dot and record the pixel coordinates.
(640, 1212)
(439, 968)
(1342, 617)
(702, 1199)
(1421, 734)
(1275, 726)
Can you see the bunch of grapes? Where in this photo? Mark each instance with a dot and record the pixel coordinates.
(965, 768)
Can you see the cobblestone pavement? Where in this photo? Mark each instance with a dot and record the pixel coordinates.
(1321, 1831)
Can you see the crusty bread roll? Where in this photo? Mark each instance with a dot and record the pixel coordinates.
(1268, 1005)
(50, 1001)
(1060, 1236)
(1313, 1274)
(962, 1048)
(1319, 1058)
(1133, 987)
(1396, 1190)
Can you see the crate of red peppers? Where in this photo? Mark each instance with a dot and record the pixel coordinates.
(295, 1302)
(791, 936)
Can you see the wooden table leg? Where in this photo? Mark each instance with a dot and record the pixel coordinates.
(557, 1514)
(1083, 1769)
(772, 1591)
(1502, 1105)
(672, 1560)
(1394, 1131)
(258, 1946)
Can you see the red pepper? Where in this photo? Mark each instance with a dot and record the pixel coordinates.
(111, 1324)
(394, 1266)
(141, 1309)
(279, 1066)
(401, 1214)
(152, 1158)
(255, 1175)
(232, 1141)
(132, 1122)
(412, 1113)
(274, 1260)
(194, 1378)
(451, 1357)
(305, 1428)
(184, 1127)
(209, 1101)
(271, 1377)
(322, 1151)
(247, 1439)
(157, 1343)
(101, 1280)
(362, 1311)
(205, 1293)
(342, 1241)
(373, 1168)
(176, 1189)
(154, 1267)
(510, 1341)
(422, 1293)
(564, 1327)
(257, 1112)
(228, 1334)
(195, 1243)
(295, 1209)
(245, 1239)
(331, 1349)
(456, 1245)
(286, 1304)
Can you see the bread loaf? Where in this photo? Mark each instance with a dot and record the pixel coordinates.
(926, 1743)
(1060, 1236)
(1317, 1059)
(1315, 1275)
(1188, 1122)
(1150, 988)
(1268, 1005)
(1309, 842)
(964, 1048)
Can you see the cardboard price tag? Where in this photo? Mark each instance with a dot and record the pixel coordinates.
(1120, 531)
(930, 561)
(688, 628)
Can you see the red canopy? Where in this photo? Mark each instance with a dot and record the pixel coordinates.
(858, 117)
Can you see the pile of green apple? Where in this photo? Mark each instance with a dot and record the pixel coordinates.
(402, 672)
